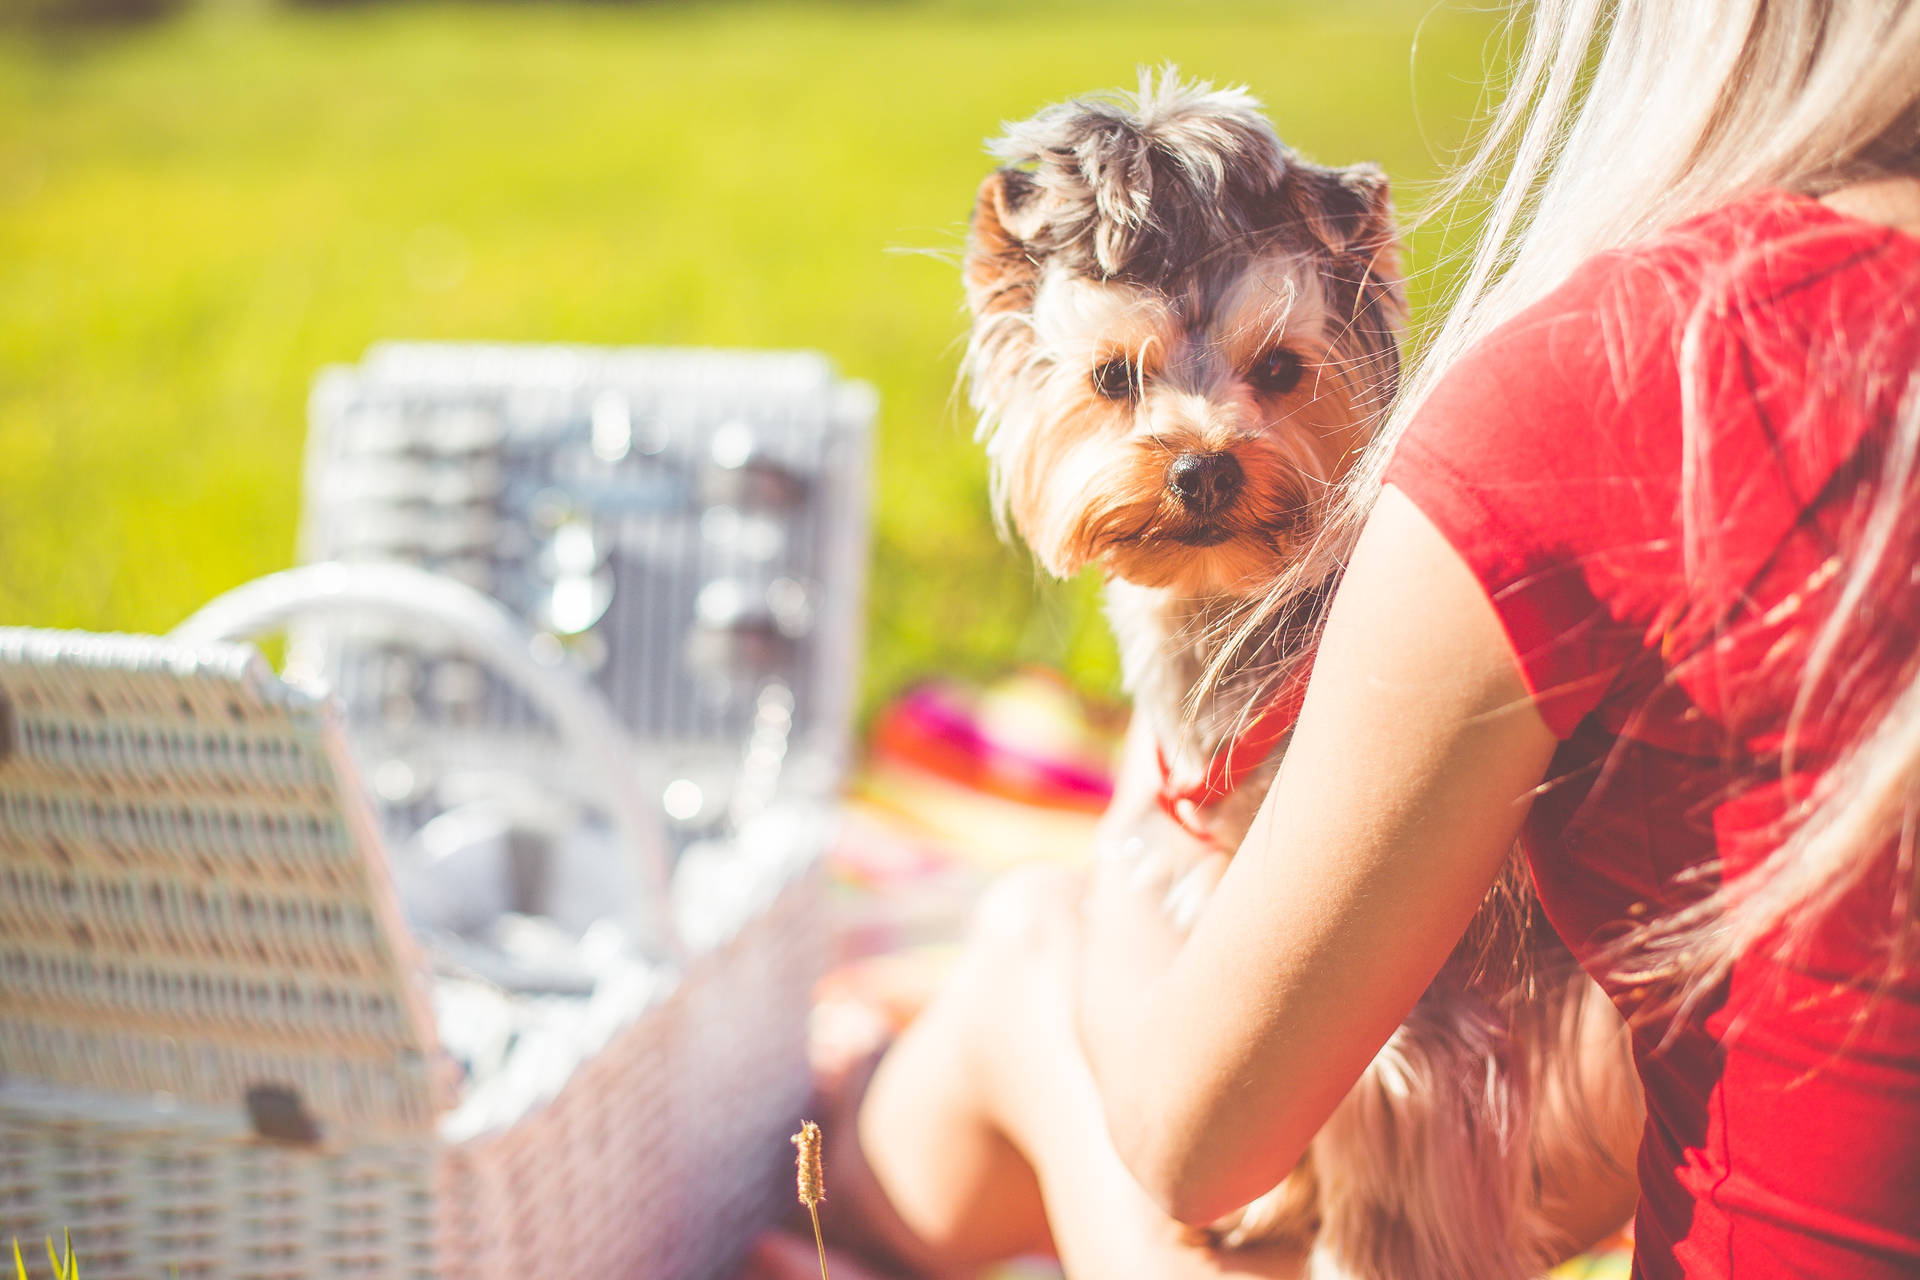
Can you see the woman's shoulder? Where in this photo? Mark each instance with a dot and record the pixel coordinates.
(1763, 262)
(1768, 234)
(1762, 285)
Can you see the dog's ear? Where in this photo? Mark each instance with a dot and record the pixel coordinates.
(1002, 265)
(1351, 212)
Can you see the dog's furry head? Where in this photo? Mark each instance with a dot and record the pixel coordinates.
(1183, 333)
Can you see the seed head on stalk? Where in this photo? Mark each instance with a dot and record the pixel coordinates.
(810, 1177)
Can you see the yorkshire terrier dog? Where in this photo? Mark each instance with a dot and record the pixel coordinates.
(1183, 337)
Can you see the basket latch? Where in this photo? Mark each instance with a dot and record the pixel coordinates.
(278, 1115)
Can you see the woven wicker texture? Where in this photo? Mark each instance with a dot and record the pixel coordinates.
(190, 899)
(196, 896)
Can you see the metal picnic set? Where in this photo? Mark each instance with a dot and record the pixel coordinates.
(479, 941)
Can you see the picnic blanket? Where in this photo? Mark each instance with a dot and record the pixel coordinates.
(958, 785)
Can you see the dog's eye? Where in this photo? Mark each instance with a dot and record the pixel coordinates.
(1278, 371)
(1117, 379)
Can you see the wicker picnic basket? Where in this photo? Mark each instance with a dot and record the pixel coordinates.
(222, 1031)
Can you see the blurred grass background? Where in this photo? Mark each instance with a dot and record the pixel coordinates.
(197, 212)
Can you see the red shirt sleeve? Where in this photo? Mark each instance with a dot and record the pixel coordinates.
(1552, 456)
(1527, 461)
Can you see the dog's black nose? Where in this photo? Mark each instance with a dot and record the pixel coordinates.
(1204, 482)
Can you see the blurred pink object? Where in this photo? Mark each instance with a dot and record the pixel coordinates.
(1024, 739)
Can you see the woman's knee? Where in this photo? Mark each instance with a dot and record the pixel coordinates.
(1033, 908)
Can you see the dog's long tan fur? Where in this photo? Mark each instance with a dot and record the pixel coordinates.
(1158, 282)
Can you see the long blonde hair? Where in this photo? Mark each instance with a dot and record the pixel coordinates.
(1623, 118)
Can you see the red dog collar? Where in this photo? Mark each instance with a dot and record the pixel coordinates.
(1225, 771)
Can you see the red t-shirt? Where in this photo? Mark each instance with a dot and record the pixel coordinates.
(1666, 641)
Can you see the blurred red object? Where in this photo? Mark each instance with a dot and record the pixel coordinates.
(1025, 740)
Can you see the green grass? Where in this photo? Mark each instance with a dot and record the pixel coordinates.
(195, 216)
(65, 1265)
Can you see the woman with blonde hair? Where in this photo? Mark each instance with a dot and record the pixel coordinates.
(1630, 577)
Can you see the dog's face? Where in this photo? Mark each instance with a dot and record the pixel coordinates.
(1182, 337)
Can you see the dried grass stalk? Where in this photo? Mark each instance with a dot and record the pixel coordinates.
(810, 1175)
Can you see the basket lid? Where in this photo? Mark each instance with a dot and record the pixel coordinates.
(193, 897)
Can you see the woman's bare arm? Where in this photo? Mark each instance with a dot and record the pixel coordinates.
(1218, 1057)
